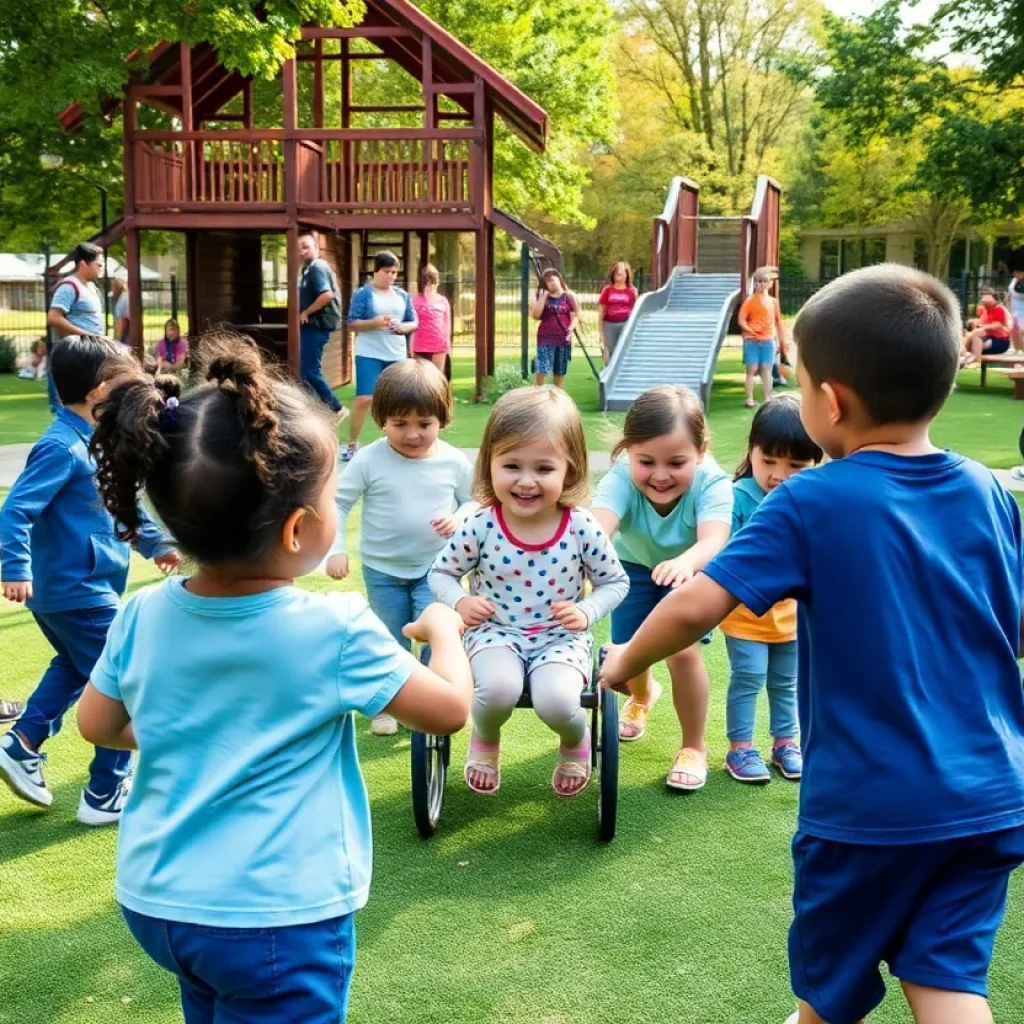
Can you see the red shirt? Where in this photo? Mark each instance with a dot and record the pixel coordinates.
(618, 303)
(995, 320)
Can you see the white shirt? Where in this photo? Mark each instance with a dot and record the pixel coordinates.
(384, 344)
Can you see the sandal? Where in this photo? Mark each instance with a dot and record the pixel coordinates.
(483, 758)
(634, 713)
(691, 770)
(573, 765)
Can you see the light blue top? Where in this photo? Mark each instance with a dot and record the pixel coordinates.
(911, 706)
(747, 494)
(248, 808)
(369, 302)
(400, 499)
(55, 531)
(121, 307)
(647, 538)
(81, 305)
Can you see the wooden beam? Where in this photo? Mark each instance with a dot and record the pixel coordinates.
(212, 205)
(291, 185)
(186, 86)
(233, 134)
(391, 109)
(454, 88)
(410, 274)
(393, 222)
(128, 133)
(429, 118)
(318, 83)
(364, 32)
(294, 339)
(481, 316)
(134, 268)
(147, 91)
(170, 221)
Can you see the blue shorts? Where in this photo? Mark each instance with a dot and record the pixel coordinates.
(758, 353)
(553, 359)
(368, 370)
(643, 597)
(929, 910)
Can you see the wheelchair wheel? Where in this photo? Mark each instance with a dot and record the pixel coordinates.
(607, 765)
(430, 757)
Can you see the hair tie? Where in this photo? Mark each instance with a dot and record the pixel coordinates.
(169, 413)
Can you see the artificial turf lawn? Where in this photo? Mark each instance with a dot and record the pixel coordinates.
(511, 915)
(982, 423)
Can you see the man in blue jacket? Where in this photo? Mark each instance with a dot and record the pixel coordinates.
(60, 555)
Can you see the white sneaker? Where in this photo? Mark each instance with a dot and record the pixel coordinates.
(384, 725)
(106, 810)
(22, 771)
(794, 1019)
(1017, 473)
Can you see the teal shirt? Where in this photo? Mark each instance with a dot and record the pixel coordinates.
(647, 538)
(248, 808)
(746, 496)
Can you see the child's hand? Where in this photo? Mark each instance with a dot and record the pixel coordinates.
(337, 567)
(445, 526)
(167, 562)
(475, 611)
(673, 573)
(570, 615)
(436, 619)
(18, 592)
(610, 673)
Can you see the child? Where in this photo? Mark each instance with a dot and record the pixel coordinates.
(412, 485)
(912, 713)
(245, 847)
(432, 339)
(614, 304)
(669, 507)
(760, 323)
(557, 310)
(36, 369)
(171, 350)
(762, 648)
(382, 317)
(528, 553)
(61, 557)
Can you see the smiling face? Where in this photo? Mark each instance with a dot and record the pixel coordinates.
(663, 467)
(414, 435)
(771, 470)
(528, 480)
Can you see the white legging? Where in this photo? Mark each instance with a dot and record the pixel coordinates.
(498, 677)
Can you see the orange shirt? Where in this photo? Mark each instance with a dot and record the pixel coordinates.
(759, 313)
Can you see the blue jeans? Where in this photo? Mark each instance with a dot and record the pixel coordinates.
(755, 664)
(78, 637)
(397, 601)
(311, 352)
(254, 975)
(758, 353)
(643, 597)
(51, 389)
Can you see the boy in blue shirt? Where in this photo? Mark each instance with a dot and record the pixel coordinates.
(911, 706)
(60, 556)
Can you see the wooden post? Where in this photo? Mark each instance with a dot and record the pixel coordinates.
(345, 271)
(318, 83)
(247, 104)
(186, 87)
(410, 274)
(429, 103)
(482, 315)
(291, 184)
(134, 268)
(424, 237)
(346, 121)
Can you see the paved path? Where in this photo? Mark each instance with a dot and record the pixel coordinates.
(12, 460)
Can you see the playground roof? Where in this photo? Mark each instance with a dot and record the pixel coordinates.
(453, 64)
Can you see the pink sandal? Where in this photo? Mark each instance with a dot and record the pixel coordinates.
(573, 765)
(484, 758)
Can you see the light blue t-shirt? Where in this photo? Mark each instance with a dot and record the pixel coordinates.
(384, 344)
(248, 808)
(81, 305)
(648, 538)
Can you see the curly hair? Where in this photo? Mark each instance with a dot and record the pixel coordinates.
(225, 464)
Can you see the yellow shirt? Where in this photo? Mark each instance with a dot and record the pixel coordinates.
(776, 626)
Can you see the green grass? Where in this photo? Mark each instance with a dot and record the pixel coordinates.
(511, 915)
(981, 423)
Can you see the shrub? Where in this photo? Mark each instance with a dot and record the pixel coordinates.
(507, 377)
(8, 354)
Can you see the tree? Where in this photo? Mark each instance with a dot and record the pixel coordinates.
(992, 31)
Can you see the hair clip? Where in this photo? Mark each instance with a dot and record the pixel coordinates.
(169, 413)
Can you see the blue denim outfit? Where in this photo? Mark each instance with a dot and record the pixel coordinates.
(396, 601)
(312, 342)
(755, 664)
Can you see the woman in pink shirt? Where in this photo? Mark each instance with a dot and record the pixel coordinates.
(614, 305)
(434, 316)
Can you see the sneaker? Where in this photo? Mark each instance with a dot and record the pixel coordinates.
(793, 1018)
(340, 416)
(10, 711)
(22, 771)
(747, 765)
(348, 452)
(788, 761)
(1017, 473)
(104, 810)
(384, 725)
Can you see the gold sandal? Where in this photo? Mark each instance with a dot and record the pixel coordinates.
(693, 766)
(634, 713)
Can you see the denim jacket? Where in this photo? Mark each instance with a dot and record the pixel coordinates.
(361, 306)
(55, 532)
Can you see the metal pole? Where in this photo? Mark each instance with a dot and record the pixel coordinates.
(524, 308)
(174, 296)
(106, 276)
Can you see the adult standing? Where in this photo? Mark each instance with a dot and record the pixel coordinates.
(319, 315)
(382, 317)
(557, 310)
(614, 304)
(119, 293)
(76, 306)
(1015, 303)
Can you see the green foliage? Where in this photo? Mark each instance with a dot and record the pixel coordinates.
(990, 31)
(507, 377)
(8, 354)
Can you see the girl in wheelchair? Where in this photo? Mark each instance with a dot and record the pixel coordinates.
(528, 553)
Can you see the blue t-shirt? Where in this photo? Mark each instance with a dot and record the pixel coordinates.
(81, 305)
(248, 809)
(910, 578)
(645, 536)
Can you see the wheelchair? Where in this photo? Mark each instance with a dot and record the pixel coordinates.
(431, 756)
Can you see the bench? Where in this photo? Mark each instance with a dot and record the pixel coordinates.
(1017, 376)
(1008, 360)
